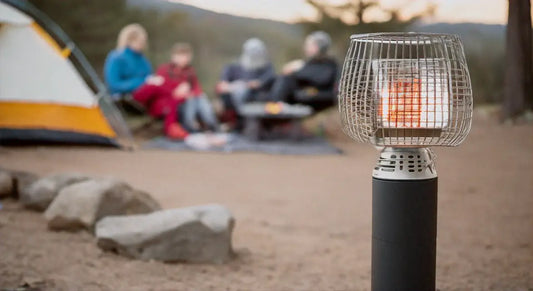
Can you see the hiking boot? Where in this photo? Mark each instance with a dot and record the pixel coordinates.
(175, 131)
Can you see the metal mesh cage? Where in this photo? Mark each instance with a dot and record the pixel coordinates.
(406, 90)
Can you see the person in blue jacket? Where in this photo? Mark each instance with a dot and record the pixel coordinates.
(126, 68)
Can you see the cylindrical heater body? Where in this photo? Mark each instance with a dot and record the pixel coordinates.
(404, 220)
(404, 233)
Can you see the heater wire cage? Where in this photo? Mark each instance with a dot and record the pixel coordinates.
(406, 90)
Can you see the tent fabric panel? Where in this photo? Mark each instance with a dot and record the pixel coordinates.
(22, 115)
(21, 136)
(63, 52)
(31, 69)
(12, 16)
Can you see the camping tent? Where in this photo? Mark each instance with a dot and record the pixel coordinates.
(48, 90)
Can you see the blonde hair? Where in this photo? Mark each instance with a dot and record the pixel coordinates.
(129, 33)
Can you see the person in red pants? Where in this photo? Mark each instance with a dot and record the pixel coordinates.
(162, 102)
(175, 85)
(162, 95)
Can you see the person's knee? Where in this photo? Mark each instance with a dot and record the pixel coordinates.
(286, 80)
(202, 99)
(205, 108)
(189, 108)
(283, 88)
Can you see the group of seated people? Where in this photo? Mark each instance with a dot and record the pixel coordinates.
(174, 94)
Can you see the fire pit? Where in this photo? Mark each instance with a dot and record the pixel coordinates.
(258, 114)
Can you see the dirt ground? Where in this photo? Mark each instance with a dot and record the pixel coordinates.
(302, 223)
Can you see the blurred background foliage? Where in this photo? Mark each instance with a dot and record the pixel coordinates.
(217, 38)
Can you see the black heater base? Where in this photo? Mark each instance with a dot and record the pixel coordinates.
(404, 234)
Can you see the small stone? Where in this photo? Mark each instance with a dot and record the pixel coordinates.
(6, 184)
(42, 192)
(200, 234)
(21, 180)
(81, 205)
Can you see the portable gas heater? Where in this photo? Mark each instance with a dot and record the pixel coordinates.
(405, 92)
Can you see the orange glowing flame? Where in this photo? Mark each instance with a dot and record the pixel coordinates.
(401, 105)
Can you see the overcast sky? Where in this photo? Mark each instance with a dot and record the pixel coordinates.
(484, 11)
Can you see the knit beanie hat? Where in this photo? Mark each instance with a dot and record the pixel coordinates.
(254, 54)
(322, 39)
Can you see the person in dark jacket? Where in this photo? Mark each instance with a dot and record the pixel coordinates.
(311, 82)
(250, 79)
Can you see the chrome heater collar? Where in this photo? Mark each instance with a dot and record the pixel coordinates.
(405, 164)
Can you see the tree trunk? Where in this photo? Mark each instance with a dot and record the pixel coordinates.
(360, 11)
(519, 64)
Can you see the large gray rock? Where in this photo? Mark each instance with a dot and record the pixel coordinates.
(6, 184)
(81, 205)
(200, 234)
(42, 192)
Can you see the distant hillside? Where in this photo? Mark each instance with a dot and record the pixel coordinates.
(465, 30)
(474, 35)
(199, 14)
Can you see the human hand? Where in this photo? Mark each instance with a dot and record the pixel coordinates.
(292, 67)
(154, 80)
(254, 84)
(182, 91)
(224, 87)
(238, 86)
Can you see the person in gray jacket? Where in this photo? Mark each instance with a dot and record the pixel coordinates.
(247, 80)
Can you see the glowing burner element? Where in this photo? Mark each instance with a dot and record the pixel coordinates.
(413, 93)
(402, 106)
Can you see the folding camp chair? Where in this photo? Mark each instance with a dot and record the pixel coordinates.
(130, 107)
(317, 99)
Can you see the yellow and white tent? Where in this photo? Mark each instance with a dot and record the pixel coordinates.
(48, 90)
